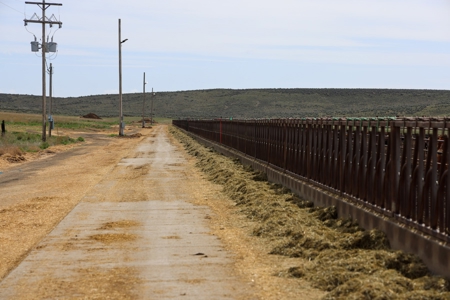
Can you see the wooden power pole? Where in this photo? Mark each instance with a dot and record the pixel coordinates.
(121, 125)
(51, 103)
(151, 109)
(143, 104)
(44, 20)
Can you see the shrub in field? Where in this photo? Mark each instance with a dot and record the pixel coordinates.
(16, 143)
(10, 150)
(44, 145)
(64, 140)
(31, 148)
(26, 137)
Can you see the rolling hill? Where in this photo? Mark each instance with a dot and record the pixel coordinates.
(248, 103)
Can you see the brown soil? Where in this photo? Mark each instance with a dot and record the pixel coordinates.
(91, 116)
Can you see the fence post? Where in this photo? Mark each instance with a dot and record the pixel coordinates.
(395, 167)
(343, 149)
(434, 179)
(285, 143)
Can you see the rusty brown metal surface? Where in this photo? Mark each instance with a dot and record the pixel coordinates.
(389, 174)
(396, 166)
(407, 237)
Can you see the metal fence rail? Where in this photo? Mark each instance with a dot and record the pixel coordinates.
(399, 167)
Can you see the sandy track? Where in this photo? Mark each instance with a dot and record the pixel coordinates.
(125, 227)
(36, 196)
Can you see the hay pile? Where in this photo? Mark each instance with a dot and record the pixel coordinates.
(342, 258)
(131, 136)
(14, 158)
(91, 116)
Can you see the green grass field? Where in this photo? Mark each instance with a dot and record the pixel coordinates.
(24, 132)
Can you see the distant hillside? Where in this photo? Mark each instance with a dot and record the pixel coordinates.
(249, 103)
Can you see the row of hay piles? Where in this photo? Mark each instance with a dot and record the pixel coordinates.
(345, 260)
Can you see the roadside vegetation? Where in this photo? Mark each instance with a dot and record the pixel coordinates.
(31, 142)
(13, 145)
(24, 133)
(33, 122)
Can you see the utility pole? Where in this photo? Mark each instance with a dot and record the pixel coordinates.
(151, 109)
(43, 21)
(120, 82)
(143, 105)
(50, 117)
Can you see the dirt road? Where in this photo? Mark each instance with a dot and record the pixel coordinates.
(162, 217)
(114, 219)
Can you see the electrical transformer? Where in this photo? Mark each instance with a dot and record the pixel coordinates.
(34, 46)
(50, 47)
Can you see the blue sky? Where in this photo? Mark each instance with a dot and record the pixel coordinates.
(203, 44)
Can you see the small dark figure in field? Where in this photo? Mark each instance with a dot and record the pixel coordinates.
(3, 127)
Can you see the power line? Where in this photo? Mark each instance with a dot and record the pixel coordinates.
(11, 7)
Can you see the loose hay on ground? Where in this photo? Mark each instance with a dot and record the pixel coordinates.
(23, 224)
(109, 238)
(119, 224)
(340, 257)
(89, 283)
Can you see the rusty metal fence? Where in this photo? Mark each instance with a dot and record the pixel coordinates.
(398, 167)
